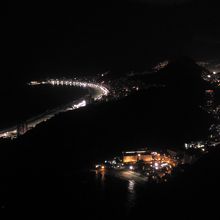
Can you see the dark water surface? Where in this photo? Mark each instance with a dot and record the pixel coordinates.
(21, 102)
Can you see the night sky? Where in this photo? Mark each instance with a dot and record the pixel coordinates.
(92, 36)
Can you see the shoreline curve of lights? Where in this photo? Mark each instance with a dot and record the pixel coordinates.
(21, 129)
(102, 91)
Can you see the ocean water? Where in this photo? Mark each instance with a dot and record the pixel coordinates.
(21, 102)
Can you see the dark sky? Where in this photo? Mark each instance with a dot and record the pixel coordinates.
(163, 2)
(90, 36)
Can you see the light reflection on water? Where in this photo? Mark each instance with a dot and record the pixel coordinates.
(100, 176)
(131, 198)
(131, 185)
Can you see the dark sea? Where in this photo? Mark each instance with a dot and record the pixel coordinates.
(21, 101)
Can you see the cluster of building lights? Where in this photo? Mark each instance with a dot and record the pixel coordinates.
(212, 75)
(8, 134)
(152, 165)
(79, 105)
(195, 145)
(161, 65)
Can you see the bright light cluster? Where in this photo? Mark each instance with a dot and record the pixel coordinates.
(8, 134)
(195, 145)
(79, 105)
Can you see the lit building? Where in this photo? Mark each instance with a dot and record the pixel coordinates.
(130, 158)
(135, 156)
(146, 158)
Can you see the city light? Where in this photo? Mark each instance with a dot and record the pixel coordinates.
(79, 105)
(149, 165)
(131, 167)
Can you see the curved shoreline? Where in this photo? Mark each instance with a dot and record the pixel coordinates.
(20, 129)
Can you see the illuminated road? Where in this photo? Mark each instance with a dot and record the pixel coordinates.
(97, 94)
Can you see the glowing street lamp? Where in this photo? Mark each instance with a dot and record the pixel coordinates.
(131, 167)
